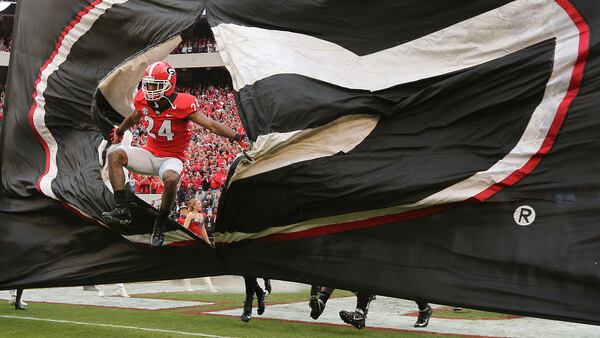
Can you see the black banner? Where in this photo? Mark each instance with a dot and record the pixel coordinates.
(441, 151)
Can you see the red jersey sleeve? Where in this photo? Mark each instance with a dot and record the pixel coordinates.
(186, 105)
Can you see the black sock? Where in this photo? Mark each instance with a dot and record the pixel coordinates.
(251, 285)
(314, 290)
(362, 301)
(324, 296)
(258, 291)
(121, 197)
(423, 306)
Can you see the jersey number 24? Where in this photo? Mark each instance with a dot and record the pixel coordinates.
(164, 130)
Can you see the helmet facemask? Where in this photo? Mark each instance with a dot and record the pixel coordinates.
(162, 86)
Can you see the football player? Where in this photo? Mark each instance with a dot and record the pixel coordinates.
(357, 318)
(253, 288)
(166, 115)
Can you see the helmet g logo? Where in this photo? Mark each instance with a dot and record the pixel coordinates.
(171, 71)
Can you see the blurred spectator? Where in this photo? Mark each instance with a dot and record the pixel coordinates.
(183, 211)
(6, 43)
(209, 223)
(1, 102)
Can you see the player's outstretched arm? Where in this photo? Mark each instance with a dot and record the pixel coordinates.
(117, 133)
(215, 126)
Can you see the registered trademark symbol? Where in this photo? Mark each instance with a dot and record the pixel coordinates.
(524, 215)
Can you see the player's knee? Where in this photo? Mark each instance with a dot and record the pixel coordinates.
(117, 156)
(170, 178)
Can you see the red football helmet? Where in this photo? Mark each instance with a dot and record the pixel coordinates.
(159, 80)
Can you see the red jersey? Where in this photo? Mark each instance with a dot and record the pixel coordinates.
(168, 132)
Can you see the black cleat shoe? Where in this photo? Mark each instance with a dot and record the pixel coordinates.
(424, 316)
(261, 304)
(20, 305)
(158, 235)
(354, 318)
(117, 216)
(317, 306)
(247, 314)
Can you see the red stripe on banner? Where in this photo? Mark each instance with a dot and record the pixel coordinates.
(356, 225)
(572, 92)
(81, 215)
(186, 243)
(39, 79)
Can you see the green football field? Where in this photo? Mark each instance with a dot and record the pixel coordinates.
(58, 320)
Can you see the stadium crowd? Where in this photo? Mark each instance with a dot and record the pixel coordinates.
(194, 41)
(196, 45)
(187, 46)
(208, 156)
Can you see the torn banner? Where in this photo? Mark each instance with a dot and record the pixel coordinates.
(442, 150)
(427, 150)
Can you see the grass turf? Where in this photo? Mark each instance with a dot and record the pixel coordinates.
(470, 314)
(176, 320)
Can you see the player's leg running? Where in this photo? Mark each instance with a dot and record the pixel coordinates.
(117, 160)
(357, 318)
(170, 179)
(261, 297)
(250, 284)
(318, 301)
(425, 312)
(19, 303)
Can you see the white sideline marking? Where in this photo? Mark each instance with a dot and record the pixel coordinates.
(113, 326)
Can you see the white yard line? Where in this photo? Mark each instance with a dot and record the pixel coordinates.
(76, 296)
(113, 326)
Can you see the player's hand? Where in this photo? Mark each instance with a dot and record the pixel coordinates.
(115, 136)
(242, 140)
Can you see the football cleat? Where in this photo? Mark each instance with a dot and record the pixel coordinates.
(247, 314)
(158, 235)
(423, 318)
(21, 305)
(354, 318)
(317, 306)
(118, 216)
